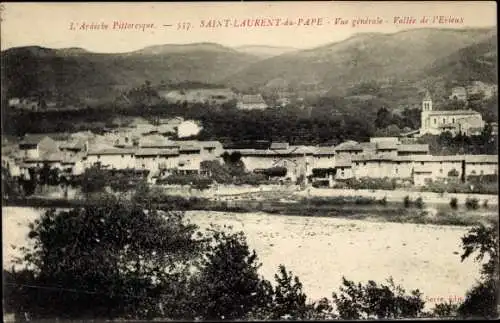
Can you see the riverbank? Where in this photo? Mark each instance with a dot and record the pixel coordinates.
(385, 209)
(321, 250)
(399, 195)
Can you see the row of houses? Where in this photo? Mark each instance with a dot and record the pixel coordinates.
(378, 158)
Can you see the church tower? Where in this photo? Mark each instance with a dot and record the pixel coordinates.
(426, 108)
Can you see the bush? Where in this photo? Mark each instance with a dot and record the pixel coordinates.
(80, 254)
(374, 301)
(482, 300)
(445, 310)
(228, 285)
(372, 183)
(273, 171)
(472, 203)
(454, 203)
(406, 201)
(453, 173)
(419, 203)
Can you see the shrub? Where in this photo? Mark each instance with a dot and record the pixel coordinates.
(228, 285)
(407, 201)
(80, 253)
(445, 310)
(482, 300)
(454, 203)
(419, 203)
(472, 203)
(373, 301)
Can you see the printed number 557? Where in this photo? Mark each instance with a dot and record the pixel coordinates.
(183, 26)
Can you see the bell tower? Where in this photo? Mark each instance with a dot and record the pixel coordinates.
(427, 102)
(426, 108)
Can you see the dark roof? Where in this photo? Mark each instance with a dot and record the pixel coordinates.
(413, 147)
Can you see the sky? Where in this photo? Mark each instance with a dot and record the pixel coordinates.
(50, 24)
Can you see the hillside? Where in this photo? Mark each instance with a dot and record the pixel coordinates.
(383, 58)
(265, 51)
(394, 67)
(475, 62)
(76, 72)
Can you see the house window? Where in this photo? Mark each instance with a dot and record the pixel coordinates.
(444, 120)
(357, 164)
(123, 156)
(396, 170)
(435, 120)
(421, 163)
(441, 171)
(364, 164)
(482, 172)
(453, 120)
(98, 156)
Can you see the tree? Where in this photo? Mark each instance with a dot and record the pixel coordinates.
(289, 299)
(384, 118)
(372, 301)
(482, 300)
(228, 286)
(10, 187)
(94, 179)
(104, 260)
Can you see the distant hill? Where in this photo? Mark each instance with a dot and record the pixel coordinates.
(395, 67)
(475, 62)
(76, 72)
(383, 58)
(265, 51)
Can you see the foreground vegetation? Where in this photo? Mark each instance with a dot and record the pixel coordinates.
(113, 258)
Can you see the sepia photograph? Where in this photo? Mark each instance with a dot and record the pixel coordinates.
(249, 161)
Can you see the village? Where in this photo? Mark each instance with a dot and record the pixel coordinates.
(160, 151)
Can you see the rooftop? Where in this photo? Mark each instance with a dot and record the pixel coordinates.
(348, 145)
(156, 152)
(279, 145)
(413, 147)
(343, 162)
(112, 151)
(387, 145)
(491, 159)
(325, 151)
(372, 157)
(252, 99)
(453, 112)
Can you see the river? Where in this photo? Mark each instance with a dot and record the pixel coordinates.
(322, 250)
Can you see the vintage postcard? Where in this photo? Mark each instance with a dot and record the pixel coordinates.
(249, 160)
